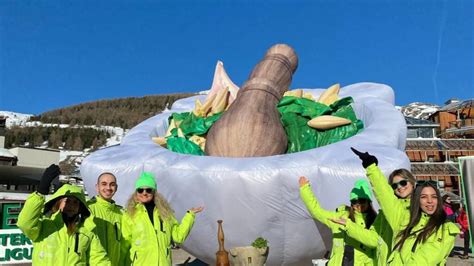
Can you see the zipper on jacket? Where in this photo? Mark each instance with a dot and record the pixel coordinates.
(116, 232)
(161, 225)
(76, 244)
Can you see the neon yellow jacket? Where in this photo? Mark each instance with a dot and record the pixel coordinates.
(363, 255)
(379, 236)
(144, 243)
(434, 251)
(371, 238)
(52, 245)
(108, 220)
(397, 213)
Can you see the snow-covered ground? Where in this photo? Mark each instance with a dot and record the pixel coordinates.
(15, 119)
(22, 120)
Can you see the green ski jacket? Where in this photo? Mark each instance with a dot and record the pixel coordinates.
(52, 245)
(433, 251)
(108, 220)
(380, 235)
(144, 243)
(363, 255)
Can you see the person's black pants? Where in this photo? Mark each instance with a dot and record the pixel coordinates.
(466, 242)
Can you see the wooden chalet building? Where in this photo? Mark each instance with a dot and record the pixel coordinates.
(434, 145)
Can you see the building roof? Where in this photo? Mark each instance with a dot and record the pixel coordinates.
(6, 153)
(440, 144)
(435, 169)
(35, 148)
(419, 122)
(458, 105)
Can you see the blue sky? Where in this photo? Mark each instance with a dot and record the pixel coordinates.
(60, 53)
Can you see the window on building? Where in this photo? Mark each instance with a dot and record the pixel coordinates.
(425, 132)
(420, 133)
(431, 158)
(412, 133)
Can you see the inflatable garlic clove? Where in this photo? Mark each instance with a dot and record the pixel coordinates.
(208, 104)
(296, 93)
(222, 81)
(330, 95)
(220, 102)
(160, 141)
(328, 122)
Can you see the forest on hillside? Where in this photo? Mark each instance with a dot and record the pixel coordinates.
(125, 112)
(76, 139)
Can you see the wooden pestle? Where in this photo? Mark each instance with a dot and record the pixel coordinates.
(222, 256)
(251, 126)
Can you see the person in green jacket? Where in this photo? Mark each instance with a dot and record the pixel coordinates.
(424, 236)
(345, 250)
(108, 216)
(149, 227)
(61, 228)
(429, 236)
(380, 235)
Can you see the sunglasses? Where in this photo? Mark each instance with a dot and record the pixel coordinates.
(147, 190)
(401, 183)
(432, 183)
(359, 201)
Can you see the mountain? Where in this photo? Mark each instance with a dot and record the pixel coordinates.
(80, 129)
(419, 110)
(122, 112)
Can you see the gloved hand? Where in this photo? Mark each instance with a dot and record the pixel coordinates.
(366, 158)
(48, 175)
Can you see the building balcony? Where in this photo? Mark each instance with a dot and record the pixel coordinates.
(461, 126)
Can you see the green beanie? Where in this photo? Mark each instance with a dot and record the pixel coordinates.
(361, 190)
(146, 179)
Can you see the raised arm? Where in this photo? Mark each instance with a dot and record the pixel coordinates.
(313, 205)
(389, 203)
(30, 220)
(179, 232)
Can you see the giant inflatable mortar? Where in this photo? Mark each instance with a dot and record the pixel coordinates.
(257, 196)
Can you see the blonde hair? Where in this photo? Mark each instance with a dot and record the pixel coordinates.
(164, 208)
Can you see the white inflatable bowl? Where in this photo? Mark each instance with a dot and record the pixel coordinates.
(257, 196)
